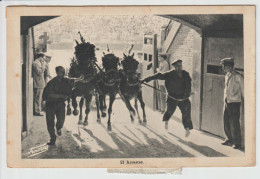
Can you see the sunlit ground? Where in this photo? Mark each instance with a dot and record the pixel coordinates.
(126, 140)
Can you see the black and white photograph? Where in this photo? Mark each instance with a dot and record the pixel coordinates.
(133, 86)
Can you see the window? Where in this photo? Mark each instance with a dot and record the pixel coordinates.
(145, 56)
(217, 70)
(150, 58)
(148, 40)
(214, 69)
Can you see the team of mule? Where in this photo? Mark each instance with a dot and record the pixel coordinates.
(114, 77)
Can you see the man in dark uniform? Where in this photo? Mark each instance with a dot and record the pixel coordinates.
(55, 94)
(178, 86)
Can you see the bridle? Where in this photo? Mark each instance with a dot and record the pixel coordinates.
(129, 83)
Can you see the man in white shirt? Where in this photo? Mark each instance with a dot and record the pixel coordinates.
(233, 96)
(140, 65)
(38, 68)
(163, 67)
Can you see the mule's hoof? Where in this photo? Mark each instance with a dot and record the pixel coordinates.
(109, 128)
(99, 121)
(103, 114)
(166, 125)
(133, 112)
(85, 123)
(140, 122)
(75, 112)
(144, 122)
(80, 122)
(132, 120)
(68, 112)
(80, 118)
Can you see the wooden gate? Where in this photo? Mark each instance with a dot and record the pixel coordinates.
(216, 49)
(212, 120)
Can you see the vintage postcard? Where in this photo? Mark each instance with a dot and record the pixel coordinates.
(130, 86)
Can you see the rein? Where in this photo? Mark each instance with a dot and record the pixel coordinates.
(164, 92)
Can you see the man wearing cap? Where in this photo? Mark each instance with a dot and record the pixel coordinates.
(55, 94)
(47, 75)
(178, 86)
(38, 68)
(233, 96)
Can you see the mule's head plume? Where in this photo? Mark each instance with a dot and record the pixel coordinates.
(130, 49)
(85, 54)
(81, 37)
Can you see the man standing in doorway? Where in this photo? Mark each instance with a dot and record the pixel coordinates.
(38, 68)
(178, 86)
(140, 65)
(163, 67)
(55, 94)
(233, 96)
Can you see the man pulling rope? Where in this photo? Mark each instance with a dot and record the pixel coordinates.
(178, 86)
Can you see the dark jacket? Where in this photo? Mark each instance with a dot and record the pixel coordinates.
(177, 87)
(57, 87)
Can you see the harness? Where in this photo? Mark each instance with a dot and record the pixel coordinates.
(113, 80)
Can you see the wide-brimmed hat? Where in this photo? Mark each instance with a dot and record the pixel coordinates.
(40, 53)
(48, 54)
(164, 55)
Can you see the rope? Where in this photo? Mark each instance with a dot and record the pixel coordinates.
(164, 92)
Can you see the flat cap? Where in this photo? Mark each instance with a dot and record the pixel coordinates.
(227, 60)
(176, 61)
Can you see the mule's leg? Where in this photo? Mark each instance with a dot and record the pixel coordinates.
(75, 105)
(102, 105)
(140, 98)
(136, 108)
(80, 109)
(88, 103)
(68, 107)
(98, 107)
(130, 108)
(111, 101)
(104, 102)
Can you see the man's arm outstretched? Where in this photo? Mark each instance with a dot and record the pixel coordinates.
(157, 76)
